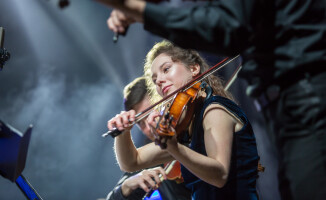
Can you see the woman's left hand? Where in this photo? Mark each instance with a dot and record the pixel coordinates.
(152, 120)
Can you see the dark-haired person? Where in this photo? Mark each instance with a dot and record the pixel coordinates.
(282, 44)
(133, 185)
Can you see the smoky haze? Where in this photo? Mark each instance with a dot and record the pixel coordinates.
(65, 77)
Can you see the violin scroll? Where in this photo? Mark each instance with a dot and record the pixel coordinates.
(164, 130)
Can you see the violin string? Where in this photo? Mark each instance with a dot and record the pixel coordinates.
(142, 115)
(233, 77)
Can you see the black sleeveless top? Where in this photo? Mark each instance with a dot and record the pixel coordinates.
(241, 183)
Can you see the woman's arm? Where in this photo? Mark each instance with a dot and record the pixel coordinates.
(129, 158)
(219, 126)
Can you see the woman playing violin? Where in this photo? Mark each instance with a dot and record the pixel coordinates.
(219, 157)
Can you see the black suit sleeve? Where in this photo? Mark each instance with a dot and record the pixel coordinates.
(224, 27)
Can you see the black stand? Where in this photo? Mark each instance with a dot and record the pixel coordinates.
(13, 152)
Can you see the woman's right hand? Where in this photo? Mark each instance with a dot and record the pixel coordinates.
(122, 121)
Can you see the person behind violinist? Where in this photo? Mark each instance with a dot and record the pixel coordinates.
(132, 185)
(220, 162)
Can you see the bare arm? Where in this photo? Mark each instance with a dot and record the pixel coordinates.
(132, 159)
(219, 126)
(129, 158)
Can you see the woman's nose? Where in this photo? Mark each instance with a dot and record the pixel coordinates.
(159, 80)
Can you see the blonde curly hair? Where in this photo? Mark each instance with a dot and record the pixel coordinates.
(189, 58)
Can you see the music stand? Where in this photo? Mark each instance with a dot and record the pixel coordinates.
(13, 152)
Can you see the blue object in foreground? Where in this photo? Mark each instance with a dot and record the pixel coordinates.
(155, 196)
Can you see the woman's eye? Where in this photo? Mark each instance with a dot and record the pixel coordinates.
(165, 69)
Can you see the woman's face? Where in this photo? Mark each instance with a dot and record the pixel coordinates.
(169, 76)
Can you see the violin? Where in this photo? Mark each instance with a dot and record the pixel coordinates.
(177, 115)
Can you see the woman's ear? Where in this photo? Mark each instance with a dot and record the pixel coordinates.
(195, 70)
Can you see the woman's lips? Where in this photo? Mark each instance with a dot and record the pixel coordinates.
(166, 89)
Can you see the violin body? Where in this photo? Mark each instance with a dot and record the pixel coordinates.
(178, 115)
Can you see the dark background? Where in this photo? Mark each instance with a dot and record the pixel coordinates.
(65, 77)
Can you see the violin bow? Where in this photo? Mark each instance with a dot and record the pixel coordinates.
(146, 112)
(233, 77)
